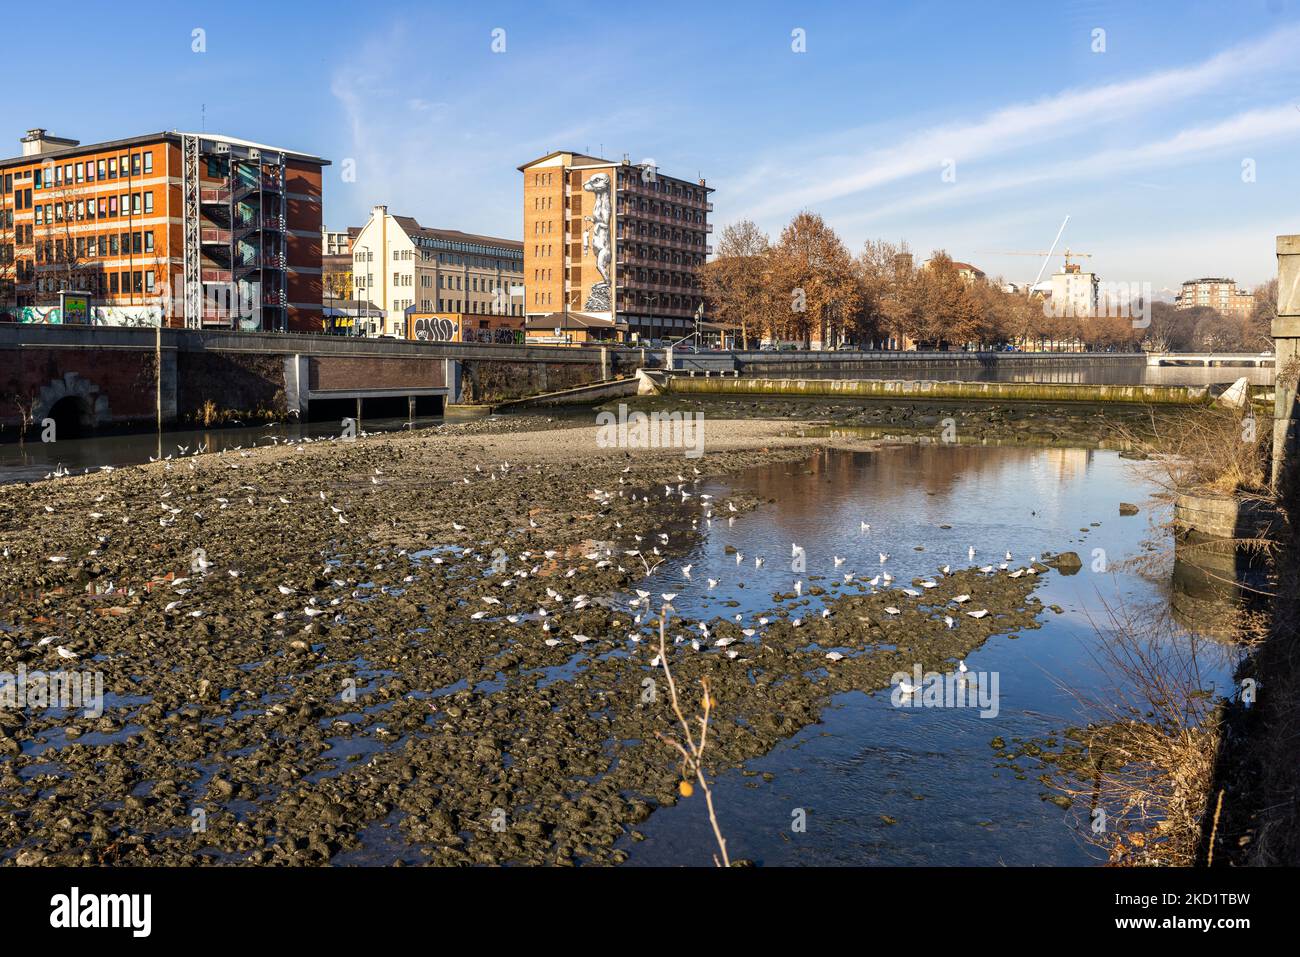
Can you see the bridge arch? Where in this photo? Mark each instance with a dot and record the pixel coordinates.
(62, 399)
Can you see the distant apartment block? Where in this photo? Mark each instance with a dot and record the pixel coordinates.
(617, 243)
(1074, 292)
(335, 243)
(409, 269)
(1221, 294)
(183, 229)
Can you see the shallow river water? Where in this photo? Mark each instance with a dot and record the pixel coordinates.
(883, 785)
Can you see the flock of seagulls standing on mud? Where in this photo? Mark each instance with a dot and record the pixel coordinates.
(651, 558)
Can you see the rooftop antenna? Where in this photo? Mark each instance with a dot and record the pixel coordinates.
(203, 117)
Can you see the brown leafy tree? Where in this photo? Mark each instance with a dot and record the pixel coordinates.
(736, 281)
(815, 285)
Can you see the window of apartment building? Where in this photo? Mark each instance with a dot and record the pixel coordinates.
(99, 169)
(148, 280)
(92, 246)
(397, 279)
(112, 283)
(148, 240)
(124, 202)
(148, 202)
(122, 162)
(113, 247)
(81, 247)
(137, 281)
(40, 216)
(148, 162)
(81, 209)
(135, 164)
(135, 203)
(112, 205)
(9, 182)
(112, 167)
(137, 243)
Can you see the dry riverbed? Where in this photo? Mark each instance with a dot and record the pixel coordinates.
(300, 665)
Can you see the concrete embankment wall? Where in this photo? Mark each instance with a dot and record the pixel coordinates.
(915, 389)
(868, 365)
(581, 395)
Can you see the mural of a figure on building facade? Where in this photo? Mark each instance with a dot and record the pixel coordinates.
(598, 300)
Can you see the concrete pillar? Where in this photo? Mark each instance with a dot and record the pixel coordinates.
(1286, 362)
(452, 378)
(297, 385)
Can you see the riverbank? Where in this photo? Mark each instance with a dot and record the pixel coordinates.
(1065, 425)
(297, 653)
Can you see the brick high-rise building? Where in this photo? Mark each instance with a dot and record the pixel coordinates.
(1217, 293)
(618, 242)
(190, 229)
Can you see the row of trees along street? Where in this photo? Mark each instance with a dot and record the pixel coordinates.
(807, 287)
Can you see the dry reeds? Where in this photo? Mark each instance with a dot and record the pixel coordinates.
(1149, 761)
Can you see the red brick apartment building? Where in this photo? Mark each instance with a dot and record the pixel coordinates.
(615, 242)
(188, 229)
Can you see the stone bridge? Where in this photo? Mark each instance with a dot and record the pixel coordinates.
(94, 377)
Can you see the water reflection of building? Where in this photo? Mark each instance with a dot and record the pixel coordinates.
(1068, 463)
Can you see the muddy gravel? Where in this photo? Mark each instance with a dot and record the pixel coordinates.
(308, 653)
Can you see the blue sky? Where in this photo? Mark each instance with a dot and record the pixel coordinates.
(1142, 145)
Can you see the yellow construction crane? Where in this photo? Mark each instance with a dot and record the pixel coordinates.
(1068, 253)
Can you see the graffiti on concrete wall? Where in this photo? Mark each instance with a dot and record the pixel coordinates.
(41, 315)
(140, 317)
(499, 336)
(130, 316)
(435, 329)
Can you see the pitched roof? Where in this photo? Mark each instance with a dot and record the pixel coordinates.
(412, 227)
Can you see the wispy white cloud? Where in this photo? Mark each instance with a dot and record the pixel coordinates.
(1238, 133)
(780, 185)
